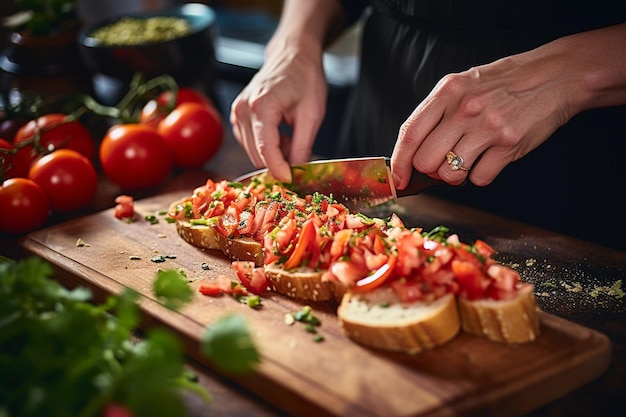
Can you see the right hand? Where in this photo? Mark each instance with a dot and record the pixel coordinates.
(290, 88)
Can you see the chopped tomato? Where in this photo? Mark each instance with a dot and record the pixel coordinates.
(407, 290)
(472, 280)
(125, 207)
(210, 288)
(251, 277)
(305, 239)
(378, 278)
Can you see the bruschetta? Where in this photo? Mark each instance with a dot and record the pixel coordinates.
(397, 288)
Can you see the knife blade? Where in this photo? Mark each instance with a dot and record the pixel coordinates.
(357, 183)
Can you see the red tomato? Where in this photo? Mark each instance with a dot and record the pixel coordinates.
(55, 133)
(210, 288)
(23, 204)
(251, 277)
(305, 239)
(376, 279)
(135, 156)
(67, 177)
(194, 133)
(125, 207)
(155, 110)
(472, 280)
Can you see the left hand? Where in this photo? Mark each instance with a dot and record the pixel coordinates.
(496, 113)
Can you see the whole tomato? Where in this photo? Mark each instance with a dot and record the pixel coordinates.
(155, 110)
(23, 204)
(55, 133)
(194, 133)
(67, 177)
(135, 156)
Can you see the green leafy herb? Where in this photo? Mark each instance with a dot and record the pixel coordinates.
(172, 289)
(438, 233)
(64, 355)
(229, 344)
(311, 322)
(151, 218)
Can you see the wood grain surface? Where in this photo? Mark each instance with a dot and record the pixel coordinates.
(468, 376)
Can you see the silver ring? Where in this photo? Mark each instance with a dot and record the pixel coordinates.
(456, 162)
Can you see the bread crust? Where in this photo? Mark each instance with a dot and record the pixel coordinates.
(380, 320)
(205, 236)
(510, 321)
(201, 236)
(302, 283)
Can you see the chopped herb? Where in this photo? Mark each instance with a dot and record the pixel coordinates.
(134, 258)
(438, 233)
(306, 316)
(230, 344)
(171, 289)
(151, 218)
(253, 301)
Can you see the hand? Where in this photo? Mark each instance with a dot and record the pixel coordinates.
(290, 88)
(494, 114)
(490, 115)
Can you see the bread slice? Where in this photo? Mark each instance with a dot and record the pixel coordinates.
(380, 320)
(302, 283)
(198, 235)
(510, 321)
(241, 249)
(205, 236)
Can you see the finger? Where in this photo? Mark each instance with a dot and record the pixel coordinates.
(268, 145)
(412, 133)
(490, 165)
(242, 130)
(305, 129)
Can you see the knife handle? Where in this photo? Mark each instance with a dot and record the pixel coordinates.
(418, 183)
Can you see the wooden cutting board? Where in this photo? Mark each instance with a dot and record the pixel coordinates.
(336, 377)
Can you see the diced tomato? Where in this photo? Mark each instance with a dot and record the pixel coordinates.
(504, 282)
(472, 280)
(305, 239)
(251, 277)
(223, 285)
(407, 291)
(347, 272)
(210, 288)
(409, 256)
(125, 207)
(378, 278)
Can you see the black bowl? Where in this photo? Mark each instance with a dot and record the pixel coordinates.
(187, 58)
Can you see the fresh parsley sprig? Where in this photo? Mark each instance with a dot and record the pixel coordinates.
(64, 355)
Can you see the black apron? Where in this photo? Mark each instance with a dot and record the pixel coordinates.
(408, 46)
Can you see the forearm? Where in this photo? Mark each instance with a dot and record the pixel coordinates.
(307, 25)
(595, 63)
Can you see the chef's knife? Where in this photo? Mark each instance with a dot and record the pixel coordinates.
(357, 183)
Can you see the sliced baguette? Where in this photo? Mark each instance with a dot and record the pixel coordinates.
(510, 321)
(205, 236)
(302, 283)
(241, 249)
(201, 236)
(380, 320)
